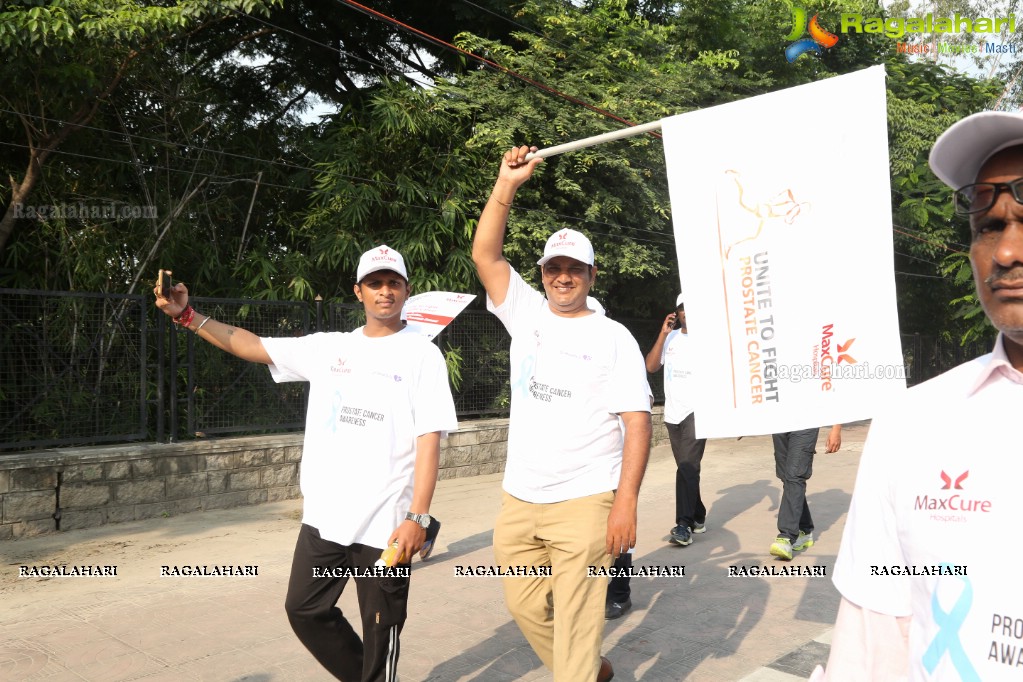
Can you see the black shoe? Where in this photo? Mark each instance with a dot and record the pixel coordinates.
(606, 672)
(431, 539)
(681, 535)
(614, 610)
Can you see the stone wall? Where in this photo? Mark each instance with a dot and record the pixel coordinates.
(64, 489)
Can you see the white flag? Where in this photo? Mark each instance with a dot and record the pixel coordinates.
(782, 212)
(427, 314)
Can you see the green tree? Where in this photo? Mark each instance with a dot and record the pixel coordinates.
(923, 100)
(64, 59)
(398, 172)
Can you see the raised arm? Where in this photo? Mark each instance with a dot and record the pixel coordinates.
(488, 244)
(653, 358)
(235, 340)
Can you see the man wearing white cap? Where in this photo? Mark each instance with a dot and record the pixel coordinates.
(929, 588)
(572, 478)
(673, 351)
(379, 403)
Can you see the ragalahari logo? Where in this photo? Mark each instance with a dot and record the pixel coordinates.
(818, 41)
(947, 480)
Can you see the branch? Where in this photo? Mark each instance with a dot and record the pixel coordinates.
(163, 232)
(228, 48)
(421, 68)
(294, 100)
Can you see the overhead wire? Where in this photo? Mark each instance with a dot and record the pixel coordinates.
(917, 274)
(230, 179)
(483, 60)
(902, 231)
(906, 231)
(339, 50)
(437, 41)
(566, 48)
(233, 179)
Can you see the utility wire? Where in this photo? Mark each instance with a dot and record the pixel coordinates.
(487, 62)
(232, 179)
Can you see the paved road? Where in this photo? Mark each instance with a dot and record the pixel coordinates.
(703, 626)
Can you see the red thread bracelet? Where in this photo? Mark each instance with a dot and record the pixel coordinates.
(186, 317)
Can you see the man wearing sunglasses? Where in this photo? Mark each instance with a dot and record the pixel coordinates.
(927, 589)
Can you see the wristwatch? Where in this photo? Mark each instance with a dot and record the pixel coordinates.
(422, 519)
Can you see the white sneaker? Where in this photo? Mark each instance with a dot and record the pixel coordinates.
(804, 541)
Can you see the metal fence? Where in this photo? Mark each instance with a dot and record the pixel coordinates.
(224, 394)
(927, 356)
(80, 369)
(73, 368)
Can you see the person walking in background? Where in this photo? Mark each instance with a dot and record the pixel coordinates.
(674, 351)
(793, 465)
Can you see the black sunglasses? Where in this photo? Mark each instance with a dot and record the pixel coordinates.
(980, 196)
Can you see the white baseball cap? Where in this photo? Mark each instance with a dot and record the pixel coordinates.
(961, 150)
(680, 300)
(568, 243)
(379, 258)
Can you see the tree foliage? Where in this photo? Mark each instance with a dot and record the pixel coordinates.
(199, 109)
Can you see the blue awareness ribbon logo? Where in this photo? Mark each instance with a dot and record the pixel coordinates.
(525, 375)
(947, 638)
(335, 408)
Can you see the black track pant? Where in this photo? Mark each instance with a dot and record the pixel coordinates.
(320, 625)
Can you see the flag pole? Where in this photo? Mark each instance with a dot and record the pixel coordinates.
(595, 140)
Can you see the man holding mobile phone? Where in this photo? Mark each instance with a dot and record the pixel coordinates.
(673, 351)
(379, 403)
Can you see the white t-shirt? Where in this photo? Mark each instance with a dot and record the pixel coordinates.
(679, 385)
(369, 399)
(939, 483)
(570, 377)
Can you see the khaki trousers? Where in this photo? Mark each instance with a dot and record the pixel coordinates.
(569, 537)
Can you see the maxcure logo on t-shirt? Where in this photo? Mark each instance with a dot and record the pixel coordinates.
(951, 507)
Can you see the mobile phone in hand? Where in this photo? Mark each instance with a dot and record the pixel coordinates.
(163, 282)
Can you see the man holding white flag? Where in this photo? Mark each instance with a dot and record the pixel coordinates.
(929, 590)
(572, 478)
